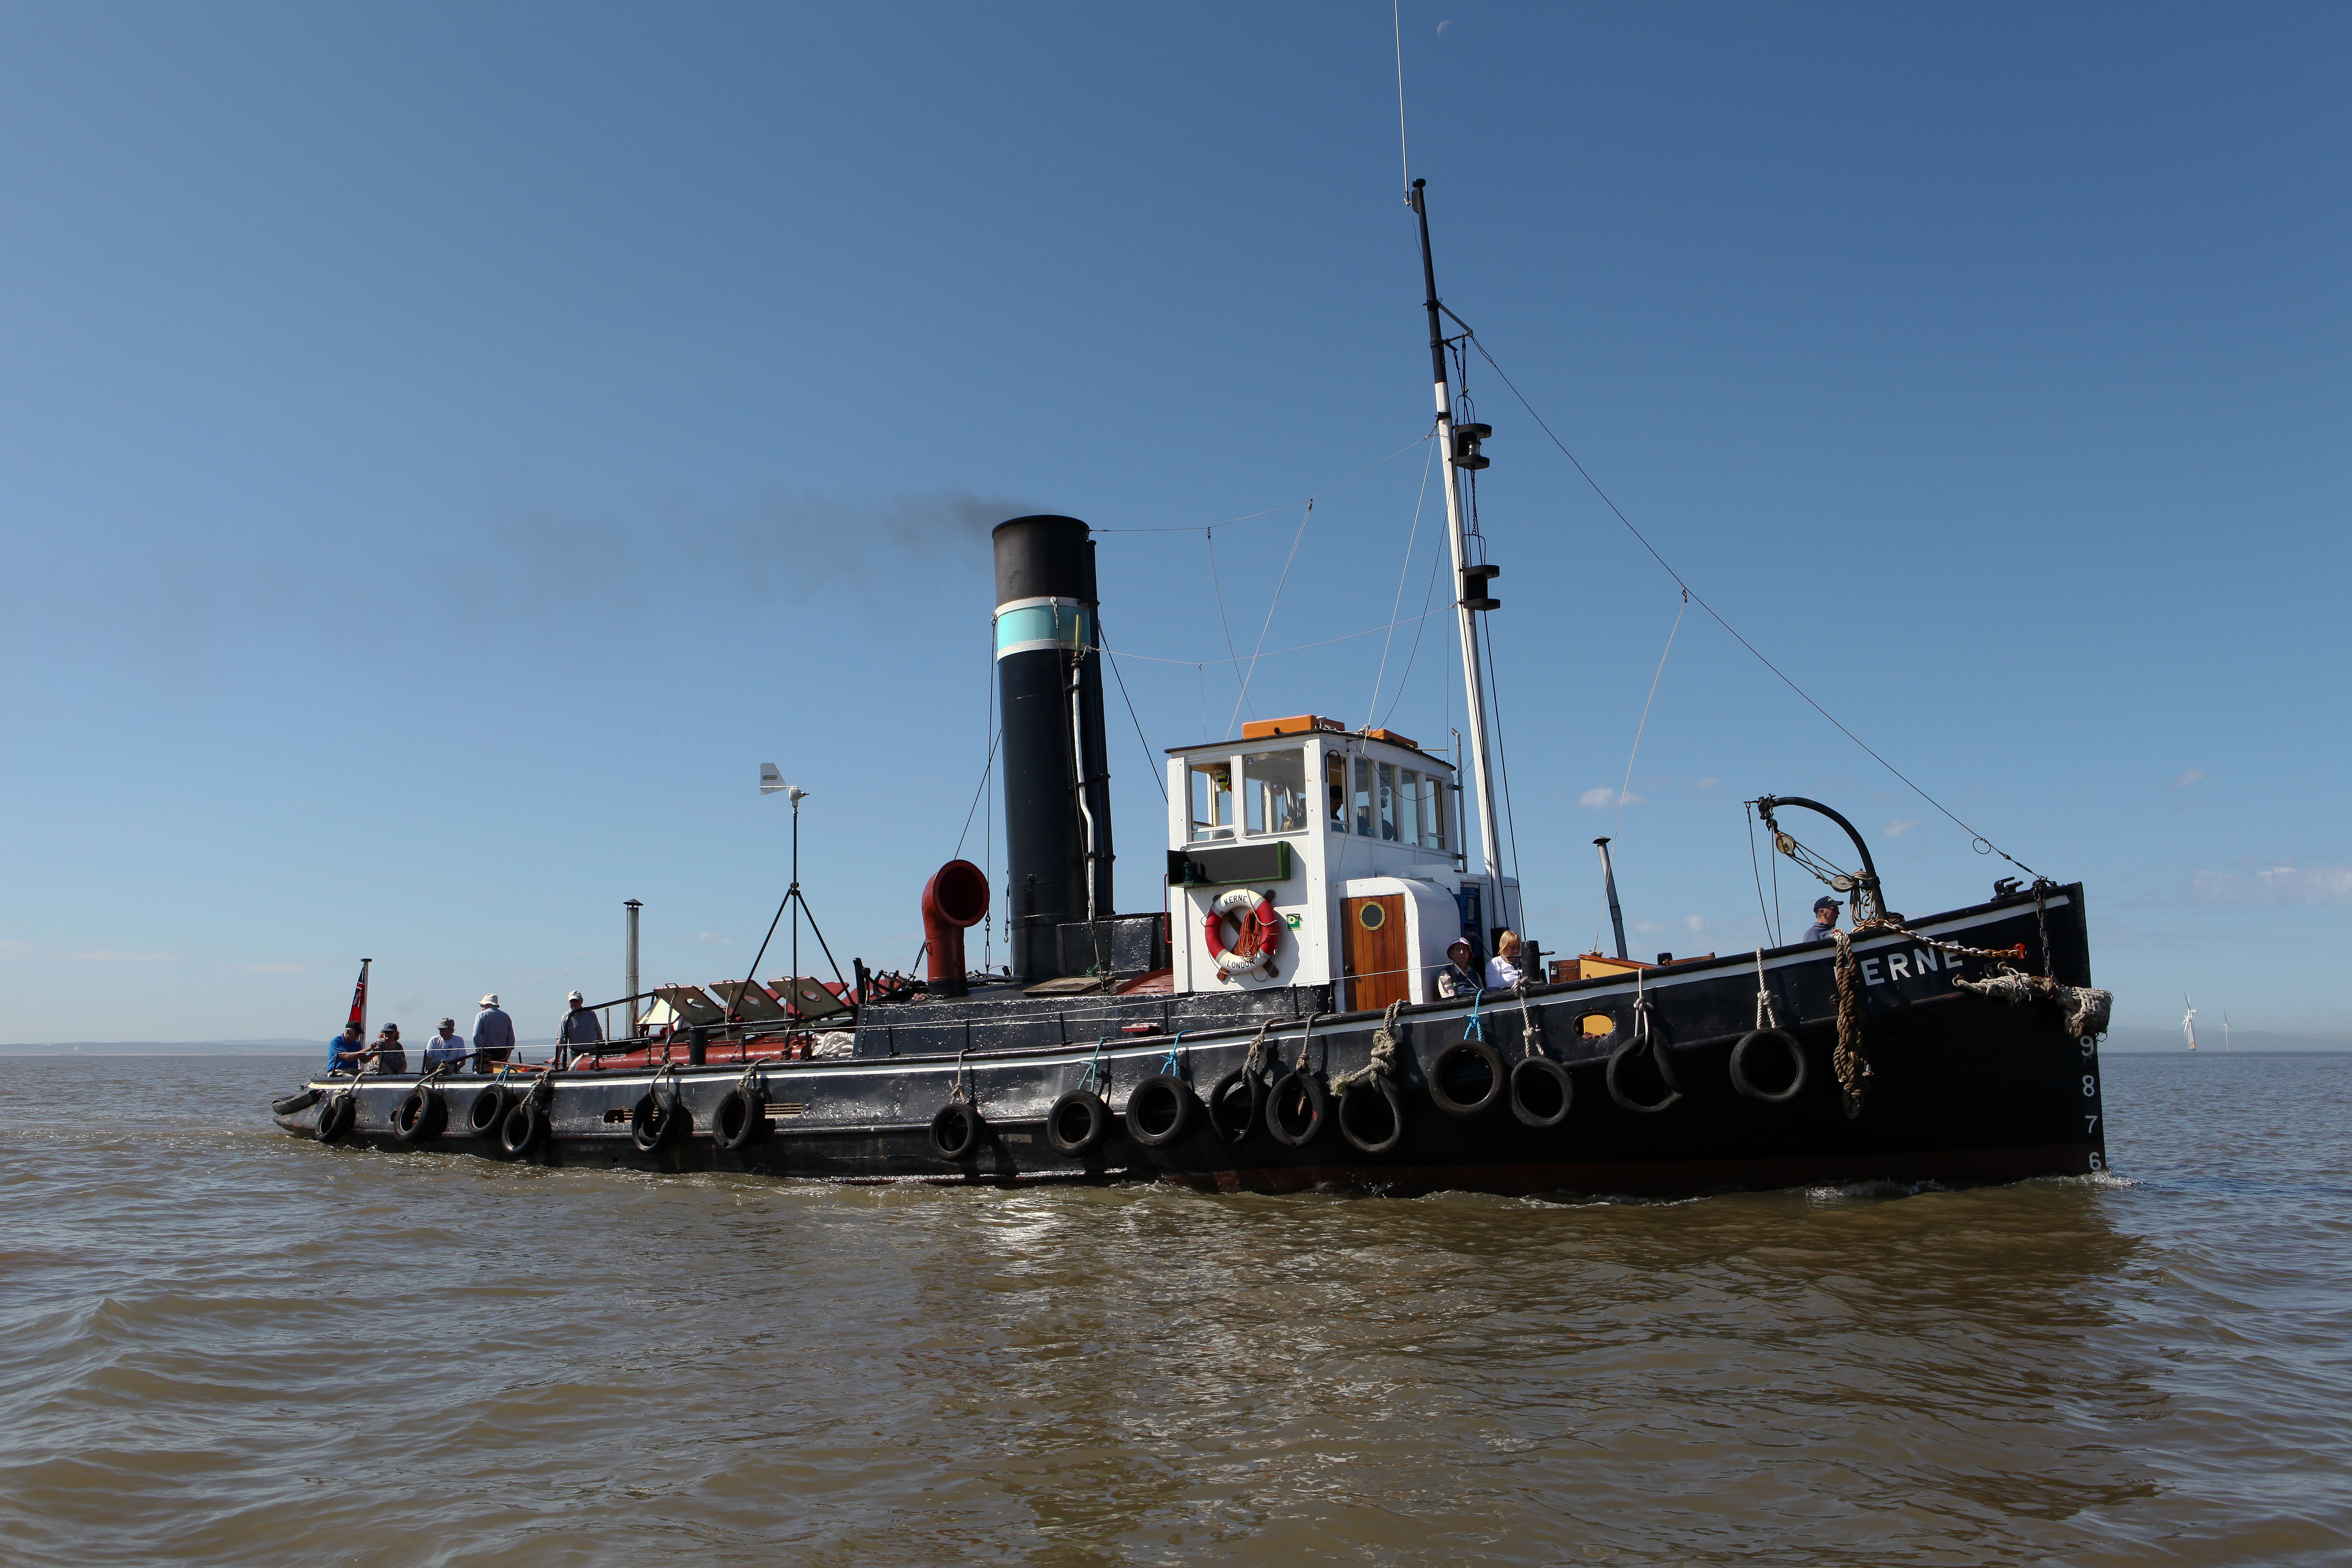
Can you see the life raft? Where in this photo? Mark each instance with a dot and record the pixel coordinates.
(1260, 931)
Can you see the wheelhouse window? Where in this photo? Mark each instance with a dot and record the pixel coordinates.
(1213, 800)
(1273, 786)
(1424, 810)
(1389, 802)
(1363, 803)
(1335, 785)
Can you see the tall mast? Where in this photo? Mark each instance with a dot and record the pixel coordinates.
(1466, 592)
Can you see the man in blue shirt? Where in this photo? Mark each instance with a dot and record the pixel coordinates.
(493, 1035)
(343, 1052)
(1825, 914)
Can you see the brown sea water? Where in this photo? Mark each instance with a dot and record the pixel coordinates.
(220, 1345)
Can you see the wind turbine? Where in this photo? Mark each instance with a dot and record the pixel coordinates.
(2188, 1020)
(2225, 1028)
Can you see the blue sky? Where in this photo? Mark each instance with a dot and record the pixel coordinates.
(445, 450)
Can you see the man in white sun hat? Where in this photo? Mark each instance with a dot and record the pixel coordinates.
(580, 1028)
(493, 1035)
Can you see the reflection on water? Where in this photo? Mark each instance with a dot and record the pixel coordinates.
(227, 1346)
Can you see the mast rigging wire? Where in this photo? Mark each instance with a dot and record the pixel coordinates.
(1294, 647)
(1503, 766)
(1619, 826)
(1150, 762)
(1404, 573)
(1436, 559)
(1748, 808)
(1269, 511)
(1211, 535)
(1404, 160)
(1974, 836)
(1304, 518)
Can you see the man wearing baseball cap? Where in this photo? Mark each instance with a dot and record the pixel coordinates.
(444, 1050)
(580, 1028)
(493, 1035)
(1825, 914)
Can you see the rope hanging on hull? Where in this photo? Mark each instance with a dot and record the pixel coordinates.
(1852, 1069)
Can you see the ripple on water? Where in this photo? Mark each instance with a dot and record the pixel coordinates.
(228, 1346)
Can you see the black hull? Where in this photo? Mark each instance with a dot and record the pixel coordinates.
(1962, 1090)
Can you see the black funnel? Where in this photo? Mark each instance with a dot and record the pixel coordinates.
(1057, 779)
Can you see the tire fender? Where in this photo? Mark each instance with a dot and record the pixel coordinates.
(1166, 1102)
(1747, 1086)
(1305, 1093)
(1534, 1069)
(1078, 1123)
(1359, 1095)
(1459, 1051)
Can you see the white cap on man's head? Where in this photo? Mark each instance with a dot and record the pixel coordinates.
(491, 1000)
(574, 996)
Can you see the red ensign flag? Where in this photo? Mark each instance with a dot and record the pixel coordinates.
(359, 998)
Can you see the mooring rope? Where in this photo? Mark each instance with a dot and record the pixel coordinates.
(1381, 1063)
(1531, 1038)
(1255, 1062)
(1853, 1070)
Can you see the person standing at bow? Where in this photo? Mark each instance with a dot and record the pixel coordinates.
(494, 1036)
(580, 1028)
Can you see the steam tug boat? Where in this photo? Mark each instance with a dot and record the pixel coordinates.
(1285, 1020)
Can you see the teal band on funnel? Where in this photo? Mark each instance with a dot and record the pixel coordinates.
(1052, 624)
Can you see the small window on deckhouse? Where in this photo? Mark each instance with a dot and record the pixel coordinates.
(1276, 791)
(1335, 785)
(1364, 796)
(1213, 800)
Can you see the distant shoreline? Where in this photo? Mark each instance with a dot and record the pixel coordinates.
(198, 1047)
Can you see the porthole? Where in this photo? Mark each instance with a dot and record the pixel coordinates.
(1371, 917)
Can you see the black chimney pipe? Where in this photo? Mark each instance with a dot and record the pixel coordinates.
(1057, 772)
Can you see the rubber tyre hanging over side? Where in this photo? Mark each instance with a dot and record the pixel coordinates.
(1161, 1110)
(1453, 1069)
(656, 1124)
(1298, 1110)
(1748, 1086)
(1078, 1123)
(1232, 1107)
(523, 1130)
(1624, 1054)
(421, 1117)
(489, 1108)
(337, 1117)
(741, 1121)
(1542, 1094)
(955, 1130)
(1357, 1104)
(301, 1100)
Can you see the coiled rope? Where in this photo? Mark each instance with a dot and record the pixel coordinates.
(1383, 1060)
(1853, 1070)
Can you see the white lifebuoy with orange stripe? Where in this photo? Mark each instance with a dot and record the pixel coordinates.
(1260, 931)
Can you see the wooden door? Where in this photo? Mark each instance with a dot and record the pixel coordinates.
(1377, 964)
